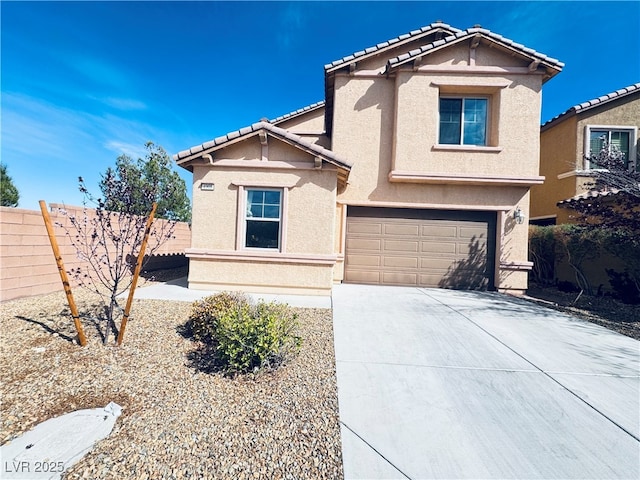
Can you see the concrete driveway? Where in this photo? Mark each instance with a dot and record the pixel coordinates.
(448, 384)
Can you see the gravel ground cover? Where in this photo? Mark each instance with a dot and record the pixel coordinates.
(178, 421)
(602, 310)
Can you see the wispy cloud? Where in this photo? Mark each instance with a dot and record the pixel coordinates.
(292, 19)
(98, 71)
(133, 150)
(125, 104)
(47, 145)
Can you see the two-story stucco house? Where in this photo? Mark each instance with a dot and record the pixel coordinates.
(414, 170)
(567, 141)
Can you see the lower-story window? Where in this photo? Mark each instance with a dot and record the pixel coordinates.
(263, 218)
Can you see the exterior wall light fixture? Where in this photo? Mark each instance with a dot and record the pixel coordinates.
(518, 216)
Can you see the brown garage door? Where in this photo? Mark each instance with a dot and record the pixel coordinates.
(428, 248)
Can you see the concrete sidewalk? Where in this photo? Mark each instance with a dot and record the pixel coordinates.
(178, 290)
(448, 384)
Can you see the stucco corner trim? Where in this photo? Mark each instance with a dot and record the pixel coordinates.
(402, 176)
(516, 266)
(261, 256)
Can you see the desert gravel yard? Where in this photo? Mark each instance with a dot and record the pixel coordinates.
(178, 421)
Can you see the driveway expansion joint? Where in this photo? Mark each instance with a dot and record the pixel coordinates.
(375, 450)
(547, 374)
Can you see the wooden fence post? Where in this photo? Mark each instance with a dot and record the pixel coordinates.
(63, 274)
(136, 274)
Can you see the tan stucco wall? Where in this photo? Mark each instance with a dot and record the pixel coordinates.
(308, 122)
(308, 227)
(557, 156)
(514, 110)
(259, 277)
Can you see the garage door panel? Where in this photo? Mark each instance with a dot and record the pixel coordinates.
(418, 247)
(401, 229)
(473, 232)
(365, 260)
(365, 227)
(404, 262)
(438, 247)
(363, 276)
(476, 248)
(397, 278)
(358, 244)
(435, 230)
(400, 246)
(440, 263)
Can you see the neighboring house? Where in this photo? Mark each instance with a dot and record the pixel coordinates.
(566, 142)
(415, 170)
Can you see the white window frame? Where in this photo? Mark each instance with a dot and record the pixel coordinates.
(241, 214)
(487, 132)
(633, 139)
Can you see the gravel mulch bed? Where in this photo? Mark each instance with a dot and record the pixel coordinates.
(602, 310)
(177, 421)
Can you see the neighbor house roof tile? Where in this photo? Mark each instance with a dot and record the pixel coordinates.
(581, 107)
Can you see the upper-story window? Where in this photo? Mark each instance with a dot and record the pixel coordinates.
(463, 121)
(611, 138)
(263, 218)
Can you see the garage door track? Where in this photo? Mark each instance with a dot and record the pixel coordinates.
(449, 384)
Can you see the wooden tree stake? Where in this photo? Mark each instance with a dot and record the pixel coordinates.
(136, 274)
(63, 274)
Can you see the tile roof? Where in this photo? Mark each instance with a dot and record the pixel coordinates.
(623, 92)
(470, 32)
(300, 111)
(590, 194)
(413, 35)
(278, 132)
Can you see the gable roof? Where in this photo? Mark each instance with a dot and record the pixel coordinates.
(297, 113)
(437, 28)
(392, 43)
(584, 106)
(184, 157)
(445, 35)
(549, 62)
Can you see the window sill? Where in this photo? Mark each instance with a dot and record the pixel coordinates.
(466, 148)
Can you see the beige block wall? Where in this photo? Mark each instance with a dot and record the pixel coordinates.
(27, 264)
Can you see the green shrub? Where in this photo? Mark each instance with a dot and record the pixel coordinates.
(542, 252)
(245, 336)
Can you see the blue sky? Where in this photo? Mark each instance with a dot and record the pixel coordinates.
(83, 82)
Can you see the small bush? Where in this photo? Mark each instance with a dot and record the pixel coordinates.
(245, 336)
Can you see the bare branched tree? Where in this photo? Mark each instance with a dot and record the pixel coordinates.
(108, 243)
